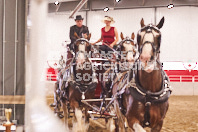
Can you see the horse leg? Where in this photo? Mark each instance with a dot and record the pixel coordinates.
(135, 124)
(138, 128)
(120, 116)
(55, 92)
(78, 115)
(74, 105)
(157, 127)
(126, 125)
(55, 95)
(65, 112)
(86, 115)
(110, 123)
(57, 100)
(81, 126)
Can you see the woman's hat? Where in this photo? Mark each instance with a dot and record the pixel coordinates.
(79, 17)
(108, 18)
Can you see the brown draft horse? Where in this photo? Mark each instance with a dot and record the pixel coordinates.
(82, 83)
(145, 99)
(127, 54)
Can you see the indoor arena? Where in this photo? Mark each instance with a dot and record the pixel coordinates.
(98, 66)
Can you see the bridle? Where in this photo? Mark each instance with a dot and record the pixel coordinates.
(83, 41)
(148, 29)
(128, 41)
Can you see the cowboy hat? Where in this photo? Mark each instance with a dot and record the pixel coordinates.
(108, 18)
(79, 17)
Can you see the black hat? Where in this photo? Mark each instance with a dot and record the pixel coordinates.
(79, 17)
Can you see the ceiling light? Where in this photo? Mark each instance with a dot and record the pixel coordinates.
(117, 0)
(56, 2)
(106, 9)
(170, 6)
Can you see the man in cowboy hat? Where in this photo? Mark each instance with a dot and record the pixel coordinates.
(79, 28)
(82, 31)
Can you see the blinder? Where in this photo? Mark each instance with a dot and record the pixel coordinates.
(83, 41)
(128, 41)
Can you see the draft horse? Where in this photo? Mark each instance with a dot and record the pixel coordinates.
(127, 54)
(82, 81)
(146, 86)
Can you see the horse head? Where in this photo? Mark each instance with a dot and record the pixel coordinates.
(149, 40)
(128, 48)
(81, 48)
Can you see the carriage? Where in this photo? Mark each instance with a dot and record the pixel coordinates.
(98, 103)
(132, 94)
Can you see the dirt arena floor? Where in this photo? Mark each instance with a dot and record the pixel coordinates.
(182, 116)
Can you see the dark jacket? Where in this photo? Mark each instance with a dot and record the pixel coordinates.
(79, 31)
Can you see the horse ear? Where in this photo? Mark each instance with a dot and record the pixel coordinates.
(89, 36)
(121, 35)
(142, 23)
(132, 36)
(76, 35)
(161, 23)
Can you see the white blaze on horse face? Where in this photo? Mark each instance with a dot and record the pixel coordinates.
(81, 58)
(81, 47)
(147, 48)
(146, 53)
(129, 47)
(148, 37)
(130, 57)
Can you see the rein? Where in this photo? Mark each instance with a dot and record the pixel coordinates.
(94, 47)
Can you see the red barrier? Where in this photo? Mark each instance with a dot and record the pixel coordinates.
(51, 74)
(182, 75)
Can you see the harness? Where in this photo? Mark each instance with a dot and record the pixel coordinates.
(128, 41)
(69, 75)
(148, 29)
(82, 88)
(82, 41)
(140, 94)
(147, 97)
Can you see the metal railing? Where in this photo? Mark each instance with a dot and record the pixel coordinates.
(183, 78)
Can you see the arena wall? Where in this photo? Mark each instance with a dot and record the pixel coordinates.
(179, 42)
